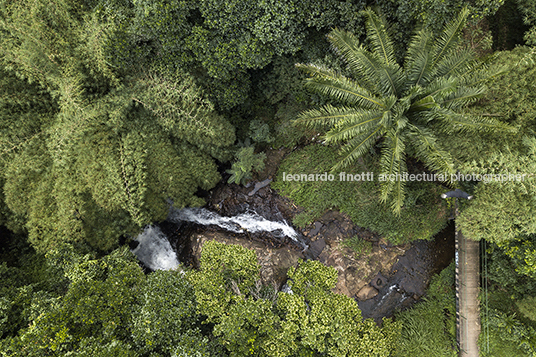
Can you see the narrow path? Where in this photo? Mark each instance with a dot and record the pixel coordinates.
(467, 289)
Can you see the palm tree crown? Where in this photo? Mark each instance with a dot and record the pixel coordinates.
(401, 107)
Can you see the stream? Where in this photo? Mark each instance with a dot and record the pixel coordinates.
(410, 275)
(161, 247)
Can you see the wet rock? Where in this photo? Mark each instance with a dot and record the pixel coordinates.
(366, 292)
(378, 281)
(316, 247)
(354, 273)
(327, 234)
(316, 229)
(260, 185)
(409, 277)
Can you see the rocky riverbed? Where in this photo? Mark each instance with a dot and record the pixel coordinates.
(386, 278)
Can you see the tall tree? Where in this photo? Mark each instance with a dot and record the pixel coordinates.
(113, 146)
(401, 107)
(504, 211)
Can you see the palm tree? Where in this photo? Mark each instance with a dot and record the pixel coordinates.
(401, 107)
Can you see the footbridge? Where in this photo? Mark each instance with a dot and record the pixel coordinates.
(467, 290)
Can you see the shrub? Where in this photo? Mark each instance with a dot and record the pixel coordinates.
(360, 200)
(358, 245)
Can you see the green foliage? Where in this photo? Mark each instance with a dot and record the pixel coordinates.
(528, 10)
(510, 99)
(246, 162)
(504, 211)
(92, 347)
(359, 199)
(108, 150)
(166, 310)
(221, 40)
(327, 322)
(97, 306)
(73, 304)
(429, 328)
(506, 308)
(286, 134)
(260, 132)
(309, 321)
(248, 328)
(527, 307)
(19, 287)
(358, 245)
(404, 105)
(193, 344)
(508, 336)
(502, 273)
(432, 15)
(311, 274)
(224, 269)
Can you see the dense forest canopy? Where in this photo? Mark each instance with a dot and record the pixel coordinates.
(111, 111)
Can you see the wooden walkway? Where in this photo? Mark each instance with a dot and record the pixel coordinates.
(467, 289)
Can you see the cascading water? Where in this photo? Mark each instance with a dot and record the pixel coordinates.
(245, 222)
(154, 250)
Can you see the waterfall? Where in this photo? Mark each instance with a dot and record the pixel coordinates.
(154, 250)
(245, 222)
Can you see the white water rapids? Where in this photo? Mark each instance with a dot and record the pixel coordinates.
(154, 250)
(245, 222)
(156, 253)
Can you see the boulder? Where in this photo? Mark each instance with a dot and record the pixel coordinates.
(367, 292)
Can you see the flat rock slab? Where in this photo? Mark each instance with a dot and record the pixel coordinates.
(366, 292)
(316, 247)
(259, 185)
(316, 229)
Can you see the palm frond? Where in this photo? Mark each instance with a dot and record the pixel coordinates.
(382, 49)
(393, 167)
(419, 71)
(391, 80)
(429, 151)
(354, 126)
(456, 62)
(425, 103)
(474, 123)
(379, 37)
(357, 147)
(338, 87)
(481, 74)
(450, 37)
(440, 88)
(461, 97)
(328, 115)
(418, 59)
(399, 190)
(363, 65)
